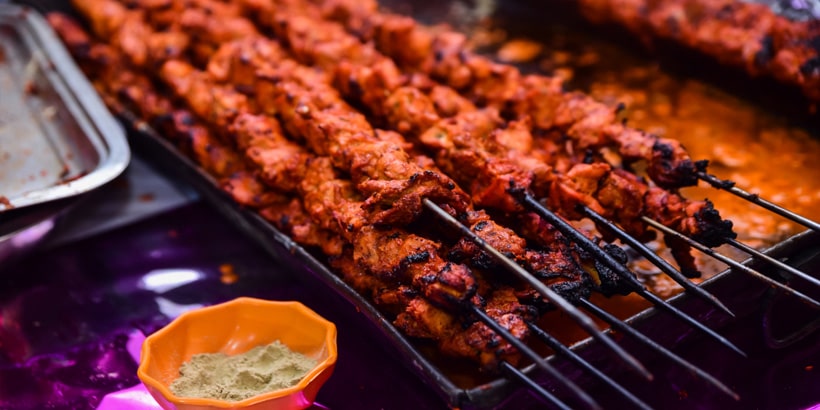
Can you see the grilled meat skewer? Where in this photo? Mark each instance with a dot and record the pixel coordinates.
(444, 55)
(417, 316)
(475, 140)
(124, 88)
(681, 254)
(702, 216)
(334, 203)
(310, 80)
(402, 263)
(220, 118)
(368, 169)
(233, 61)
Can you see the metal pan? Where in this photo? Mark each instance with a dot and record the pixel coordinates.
(57, 139)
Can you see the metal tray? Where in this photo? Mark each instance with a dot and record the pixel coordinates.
(57, 139)
(740, 294)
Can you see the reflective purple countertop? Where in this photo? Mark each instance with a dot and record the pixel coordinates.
(66, 314)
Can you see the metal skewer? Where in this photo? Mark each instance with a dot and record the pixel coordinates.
(564, 351)
(539, 361)
(511, 372)
(628, 330)
(585, 243)
(760, 255)
(757, 200)
(653, 257)
(734, 264)
(559, 302)
(660, 303)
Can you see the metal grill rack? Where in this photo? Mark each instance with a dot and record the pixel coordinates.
(571, 394)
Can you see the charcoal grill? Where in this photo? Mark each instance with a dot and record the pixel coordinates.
(727, 292)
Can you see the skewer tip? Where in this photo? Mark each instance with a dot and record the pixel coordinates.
(794, 272)
(720, 306)
(625, 357)
(623, 327)
(662, 304)
(734, 264)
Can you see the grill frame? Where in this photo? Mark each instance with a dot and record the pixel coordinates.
(739, 293)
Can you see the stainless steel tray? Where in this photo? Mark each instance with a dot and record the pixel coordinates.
(57, 139)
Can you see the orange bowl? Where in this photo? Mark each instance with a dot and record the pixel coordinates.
(233, 328)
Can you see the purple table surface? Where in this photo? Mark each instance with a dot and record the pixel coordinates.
(66, 315)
